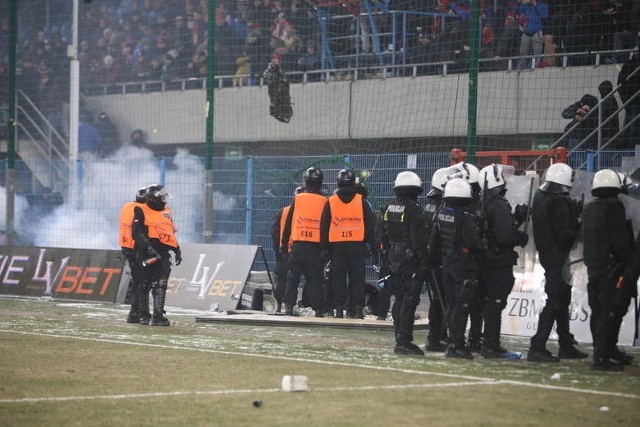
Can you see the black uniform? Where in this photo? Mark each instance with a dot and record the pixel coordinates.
(555, 222)
(282, 263)
(403, 238)
(606, 250)
(496, 271)
(348, 257)
(437, 326)
(459, 235)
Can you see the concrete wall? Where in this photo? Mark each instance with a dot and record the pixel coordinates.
(509, 103)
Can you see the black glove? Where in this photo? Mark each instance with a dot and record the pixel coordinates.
(523, 239)
(520, 214)
(152, 253)
(178, 253)
(278, 90)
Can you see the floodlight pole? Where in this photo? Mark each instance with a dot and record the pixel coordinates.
(74, 110)
(207, 226)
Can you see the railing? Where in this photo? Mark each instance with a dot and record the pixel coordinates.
(356, 73)
(46, 140)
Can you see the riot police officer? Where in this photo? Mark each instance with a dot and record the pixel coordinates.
(302, 229)
(459, 236)
(496, 271)
(347, 233)
(436, 337)
(154, 234)
(555, 221)
(403, 239)
(607, 245)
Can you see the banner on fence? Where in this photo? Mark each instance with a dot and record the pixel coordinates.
(79, 274)
(210, 277)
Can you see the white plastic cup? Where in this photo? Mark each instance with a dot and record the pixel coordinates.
(294, 383)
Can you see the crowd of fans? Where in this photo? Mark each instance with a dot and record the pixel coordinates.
(124, 41)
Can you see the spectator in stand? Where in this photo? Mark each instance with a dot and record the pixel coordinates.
(627, 25)
(89, 140)
(243, 63)
(577, 112)
(113, 70)
(530, 15)
(181, 40)
(423, 52)
(311, 61)
(509, 37)
(629, 86)
(609, 109)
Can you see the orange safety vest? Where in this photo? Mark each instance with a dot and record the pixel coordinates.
(125, 238)
(347, 220)
(305, 221)
(160, 226)
(283, 220)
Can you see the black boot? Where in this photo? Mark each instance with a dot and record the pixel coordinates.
(458, 352)
(143, 307)
(407, 348)
(538, 353)
(493, 350)
(158, 308)
(288, 309)
(339, 312)
(571, 352)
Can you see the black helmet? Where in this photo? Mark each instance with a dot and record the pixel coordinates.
(313, 178)
(157, 197)
(346, 178)
(141, 195)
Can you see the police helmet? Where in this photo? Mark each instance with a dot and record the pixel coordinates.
(141, 195)
(438, 180)
(605, 183)
(628, 184)
(464, 170)
(558, 178)
(457, 188)
(157, 196)
(313, 178)
(346, 178)
(409, 180)
(492, 179)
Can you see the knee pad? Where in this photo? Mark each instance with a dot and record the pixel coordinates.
(145, 285)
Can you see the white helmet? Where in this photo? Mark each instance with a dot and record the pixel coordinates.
(605, 178)
(491, 176)
(628, 184)
(464, 170)
(438, 180)
(561, 174)
(457, 187)
(407, 179)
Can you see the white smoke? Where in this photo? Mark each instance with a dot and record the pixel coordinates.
(108, 184)
(20, 207)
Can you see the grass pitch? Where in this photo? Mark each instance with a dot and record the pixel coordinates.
(68, 364)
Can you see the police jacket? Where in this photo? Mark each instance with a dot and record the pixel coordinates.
(459, 233)
(501, 235)
(401, 225)
(555, 221)
(605, 234)
(348, 217)
(434, 203)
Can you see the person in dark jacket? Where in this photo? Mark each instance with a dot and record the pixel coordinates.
(577, 113)
(282, 262)
(403, 239)
(347, 237)
(302, 230)
(154, 235)
(496, 271)
(607, 246)
(459, 236)
(555, 221)
(436, 337)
